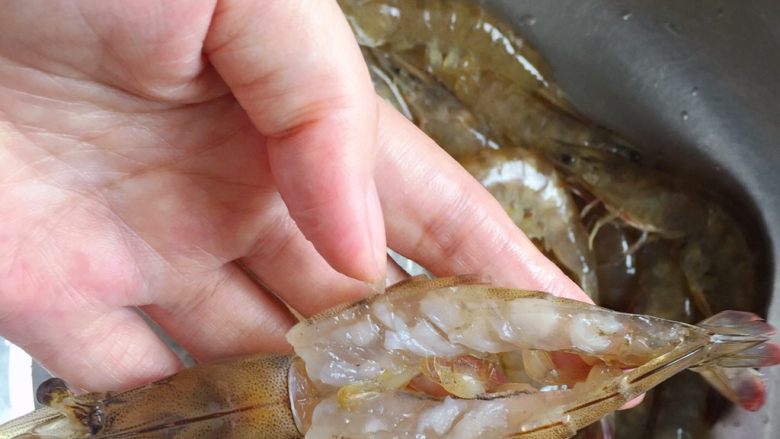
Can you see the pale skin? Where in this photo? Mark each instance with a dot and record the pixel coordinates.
(146, 146)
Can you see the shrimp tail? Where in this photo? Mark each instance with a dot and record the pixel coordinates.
(742, 386)
(741, 339)
(742, 343)
(738, 323)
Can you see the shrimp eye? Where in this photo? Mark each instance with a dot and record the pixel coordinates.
(566, 159)
(51, 391)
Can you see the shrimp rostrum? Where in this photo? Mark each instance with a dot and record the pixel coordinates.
(449, 357)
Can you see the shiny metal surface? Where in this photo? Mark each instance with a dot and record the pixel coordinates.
(695, 83)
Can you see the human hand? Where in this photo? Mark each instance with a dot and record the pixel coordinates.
(146, 146)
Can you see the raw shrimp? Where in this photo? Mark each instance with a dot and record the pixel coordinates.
(489, 68)
(421, 360)
(452, 318)
(537, 200)
(503, 81)
(455, 34)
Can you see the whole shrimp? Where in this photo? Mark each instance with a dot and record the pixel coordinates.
(424, 360)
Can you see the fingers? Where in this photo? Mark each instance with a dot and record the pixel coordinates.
(289, 265)
(99, 352)
(439, 216)
(306, 88)
(436, 214)
(67, 275)
(223, 315)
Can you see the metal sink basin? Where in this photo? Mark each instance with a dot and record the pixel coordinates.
(694, 83)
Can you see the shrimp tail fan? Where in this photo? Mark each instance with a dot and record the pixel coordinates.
(741, 343)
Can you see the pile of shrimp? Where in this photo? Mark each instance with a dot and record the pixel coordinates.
(634, 237)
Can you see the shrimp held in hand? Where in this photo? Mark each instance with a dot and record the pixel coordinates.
(449, 357)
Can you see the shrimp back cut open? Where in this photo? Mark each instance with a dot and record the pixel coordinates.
(441, 358)
(457, 358)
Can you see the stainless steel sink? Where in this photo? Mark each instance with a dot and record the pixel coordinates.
(695, 83)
